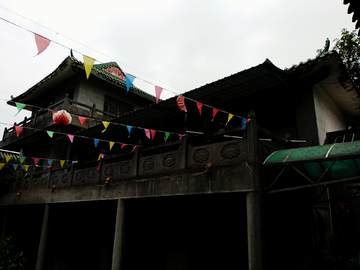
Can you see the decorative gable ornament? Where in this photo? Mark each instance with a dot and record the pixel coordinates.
(62, 118)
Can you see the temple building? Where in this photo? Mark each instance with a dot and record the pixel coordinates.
(257, 170)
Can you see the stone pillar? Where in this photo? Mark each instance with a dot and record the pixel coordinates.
(40, 262)
(254, 198)
(118, 237)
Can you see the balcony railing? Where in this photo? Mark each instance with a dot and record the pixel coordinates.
(43, 117)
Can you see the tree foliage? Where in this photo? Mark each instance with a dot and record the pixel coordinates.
(10, 258)
(348, 47)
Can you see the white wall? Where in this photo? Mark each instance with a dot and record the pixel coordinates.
(329, 117)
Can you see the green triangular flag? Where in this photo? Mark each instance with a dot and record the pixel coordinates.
(50, 133)
(167, 134)
(22, 159)
(19, 106)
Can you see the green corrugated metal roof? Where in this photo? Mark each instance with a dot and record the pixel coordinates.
(317, 159)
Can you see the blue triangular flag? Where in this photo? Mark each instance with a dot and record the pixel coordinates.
(96, 141)
(15, 166)
(243, 124)
(129, 81)
(129, 128)
(50, 162)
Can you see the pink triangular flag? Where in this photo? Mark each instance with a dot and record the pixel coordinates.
(122, 146)
(71, 137)
(134, 148)
(147, 133)
(199, 105)
(36, 160)
(42, 43)
(82, 120)
(158, 91)
(153, 134)
(214, 113)
(18, 130)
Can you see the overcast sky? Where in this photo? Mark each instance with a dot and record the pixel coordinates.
(177, 45)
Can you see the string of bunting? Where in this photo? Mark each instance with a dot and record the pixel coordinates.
(43, 43)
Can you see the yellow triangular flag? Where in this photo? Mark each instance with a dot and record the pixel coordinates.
(7, 158)
(1, 165)
(229, 118)
(26, 167)
(111, 144)
(62, 163)
(99, 157)
(88, 64)
(106, 124)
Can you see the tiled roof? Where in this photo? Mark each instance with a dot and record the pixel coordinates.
(354, 7)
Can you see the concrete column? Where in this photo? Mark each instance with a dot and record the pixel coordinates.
(118, 237)
(254, 230)
(40, 262)
(254, 198)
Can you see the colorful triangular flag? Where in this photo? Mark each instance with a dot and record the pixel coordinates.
(214, 113)
(147, 133)
(18, 130)
(129, 81)
(15, 166)
(26, 167)
(158, 91)
(88, 64)
(62, 162)
(22, 159)
(152, 134)
(229, 118)
(50, 133)
(50, 162)
(124, 144)
(82, 120)
(106, 124)
(7, 158)
(111, 145)
(36, 160)
(134, 148)
(2, 165)
(129, 128)
(96, 141)
(199, 105)
(71, 138)
(42, 43)
(243, 123)
(167, 134)
(19, 106)
(181, 136)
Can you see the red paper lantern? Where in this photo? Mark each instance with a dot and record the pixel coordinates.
(62, 118)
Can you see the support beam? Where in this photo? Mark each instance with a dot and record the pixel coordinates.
(118, 237)
(40, 262)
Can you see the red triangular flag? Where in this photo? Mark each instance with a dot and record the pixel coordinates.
(199, 105)
(82, 120)
(18, 130)
(98, 169)
(122, 146)
(42, 43)
(214, 113)
(36, 160)
(153, 134)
